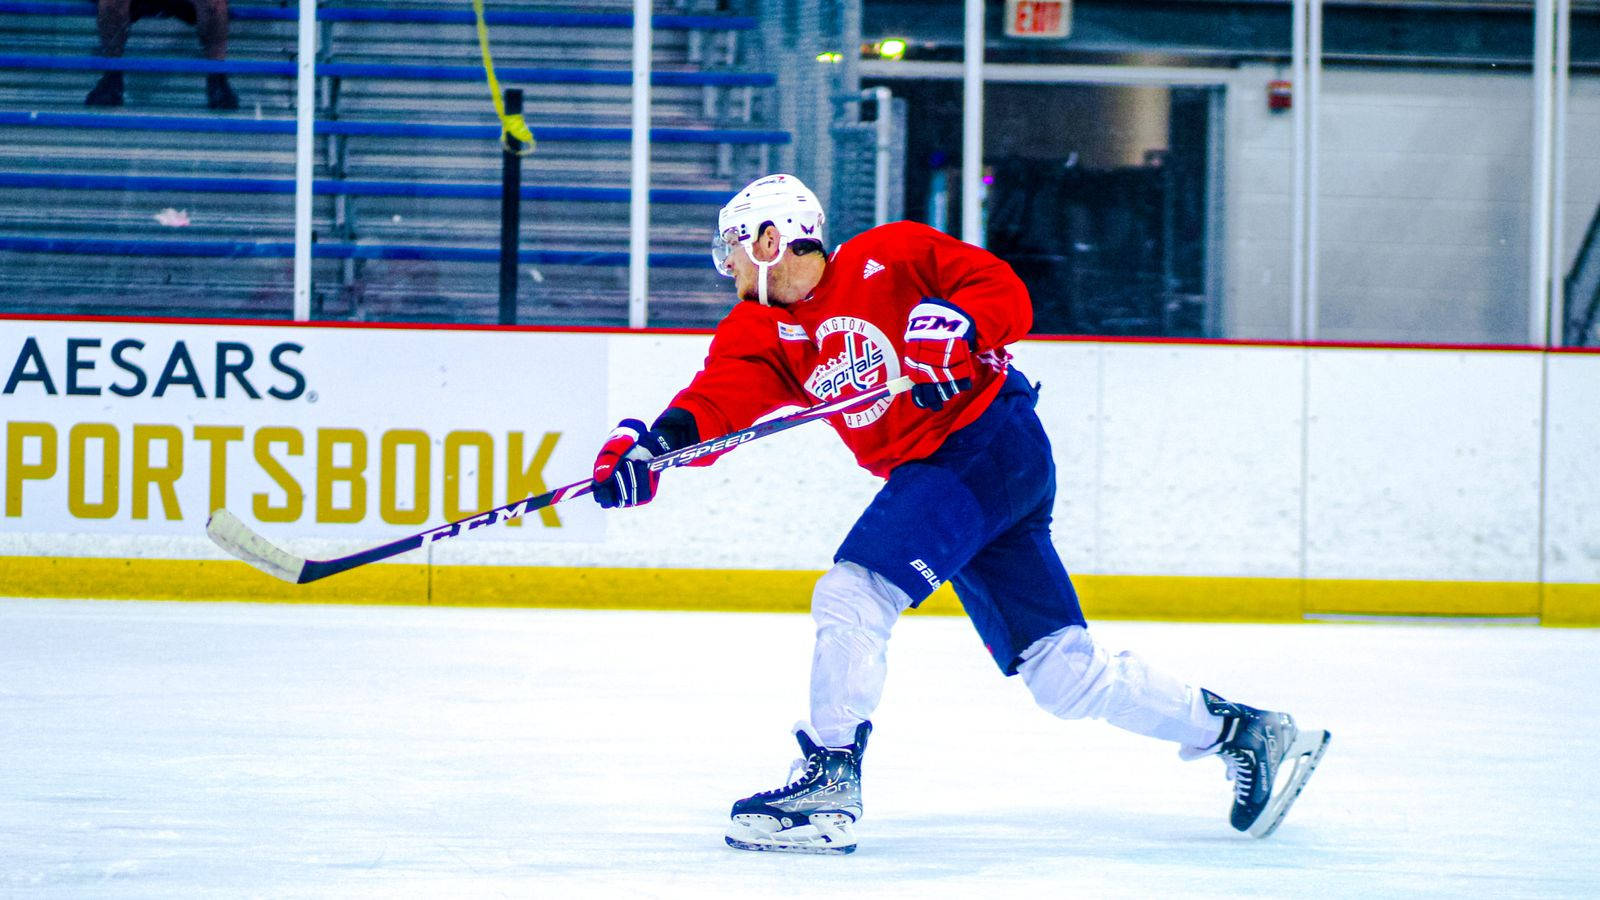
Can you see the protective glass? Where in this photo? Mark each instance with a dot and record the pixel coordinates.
(722, 244)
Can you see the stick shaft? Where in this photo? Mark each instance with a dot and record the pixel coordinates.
(314, 569)
(322, 568)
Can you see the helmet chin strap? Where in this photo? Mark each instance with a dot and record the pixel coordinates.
(761, 276)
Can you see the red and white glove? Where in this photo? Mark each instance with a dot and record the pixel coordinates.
(939, 342)
(622, 475)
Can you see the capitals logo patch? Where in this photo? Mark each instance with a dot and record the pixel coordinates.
(855, 356)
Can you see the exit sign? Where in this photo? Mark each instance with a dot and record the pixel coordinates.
(1038, 18)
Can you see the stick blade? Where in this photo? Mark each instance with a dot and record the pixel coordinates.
(228, 532)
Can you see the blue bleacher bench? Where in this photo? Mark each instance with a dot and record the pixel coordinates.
(535, 18)
(285, 250)
(525, 74)
(231, 125)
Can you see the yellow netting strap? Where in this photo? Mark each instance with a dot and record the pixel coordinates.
(510, 126)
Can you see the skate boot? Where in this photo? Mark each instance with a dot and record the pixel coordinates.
(1268, 760)
(816, 812)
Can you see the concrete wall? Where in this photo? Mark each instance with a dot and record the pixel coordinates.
(1424, 203)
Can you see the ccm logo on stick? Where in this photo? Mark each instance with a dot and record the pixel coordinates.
(532, 504)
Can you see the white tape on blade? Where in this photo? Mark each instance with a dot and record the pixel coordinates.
(232, 535)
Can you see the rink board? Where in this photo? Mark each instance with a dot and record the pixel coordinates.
(1226, 481)
(1154, 598)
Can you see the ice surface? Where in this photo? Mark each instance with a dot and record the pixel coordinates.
(151, 749)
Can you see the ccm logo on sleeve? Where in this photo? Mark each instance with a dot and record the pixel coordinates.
(935, 321)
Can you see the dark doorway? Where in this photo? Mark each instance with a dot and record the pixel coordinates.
(1095, 194)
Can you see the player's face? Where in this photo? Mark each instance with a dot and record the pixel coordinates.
(746, 274)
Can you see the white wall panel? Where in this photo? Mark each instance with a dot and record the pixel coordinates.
(1572, 472)
(1452, 221)
(1070, 409)
(782, 503)
(1201, 460)
(1418, 312)
(1423, 464)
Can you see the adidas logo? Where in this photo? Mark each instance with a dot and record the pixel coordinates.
(873, 267)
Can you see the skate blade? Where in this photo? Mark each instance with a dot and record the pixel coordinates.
(1306, 752)
(826, 833)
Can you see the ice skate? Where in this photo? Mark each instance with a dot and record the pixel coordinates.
(1268, 760)
(815, 813)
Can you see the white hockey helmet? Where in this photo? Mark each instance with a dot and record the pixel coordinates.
(782, 200)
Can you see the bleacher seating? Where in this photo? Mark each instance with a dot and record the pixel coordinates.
(407, 210)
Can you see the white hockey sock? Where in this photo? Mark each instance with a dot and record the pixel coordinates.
(1073, 677)
(854, 608)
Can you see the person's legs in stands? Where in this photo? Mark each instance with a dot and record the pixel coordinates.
(112, 18)
(211, 23)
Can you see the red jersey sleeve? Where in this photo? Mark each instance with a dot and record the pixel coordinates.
(745, 375)
(975, 281)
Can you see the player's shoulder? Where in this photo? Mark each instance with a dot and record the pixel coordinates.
(886, 245)
(745, 313)
(750, 325)
(889, 239)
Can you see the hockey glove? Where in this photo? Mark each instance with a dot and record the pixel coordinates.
(939, 344)
(622, 475)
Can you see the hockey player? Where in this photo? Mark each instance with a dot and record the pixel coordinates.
(968, 498)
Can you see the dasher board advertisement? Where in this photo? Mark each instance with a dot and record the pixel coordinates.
(301, 431)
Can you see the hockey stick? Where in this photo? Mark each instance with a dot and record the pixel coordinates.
(232, 535)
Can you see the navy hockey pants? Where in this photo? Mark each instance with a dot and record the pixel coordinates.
(977, 512)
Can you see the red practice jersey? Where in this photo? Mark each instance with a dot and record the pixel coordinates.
(849, 337)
